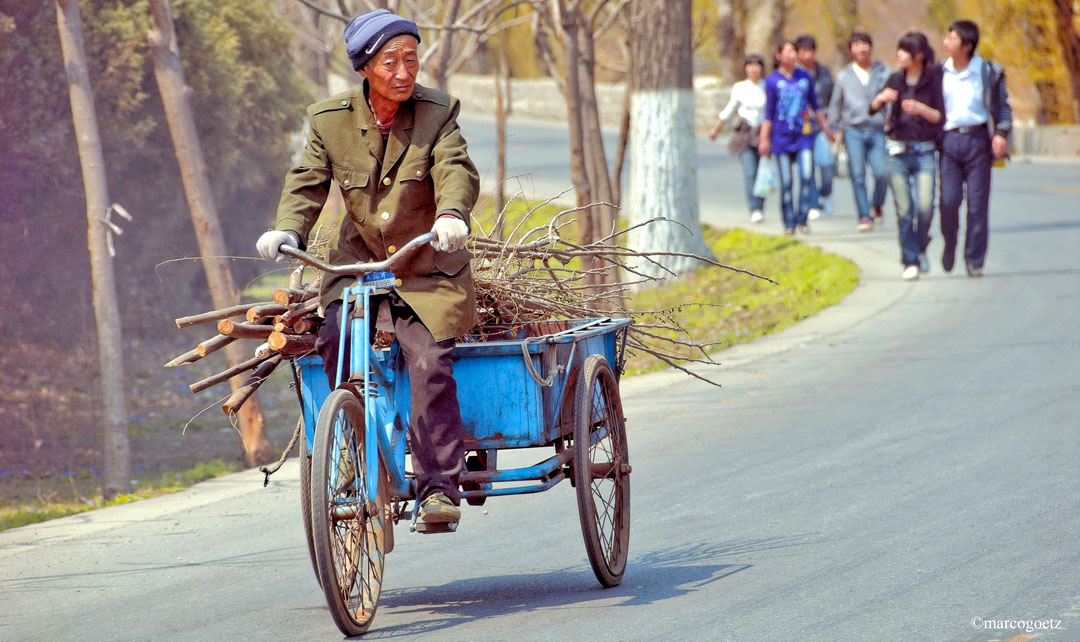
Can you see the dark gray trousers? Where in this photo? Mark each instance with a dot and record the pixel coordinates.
(966, 160)
(436, 433)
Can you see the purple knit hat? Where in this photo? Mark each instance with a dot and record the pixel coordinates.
(368, 32)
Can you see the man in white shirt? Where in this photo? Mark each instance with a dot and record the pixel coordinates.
(978, 123)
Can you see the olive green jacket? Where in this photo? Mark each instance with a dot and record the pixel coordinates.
(392, 195)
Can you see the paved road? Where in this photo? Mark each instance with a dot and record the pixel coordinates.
(892, 469)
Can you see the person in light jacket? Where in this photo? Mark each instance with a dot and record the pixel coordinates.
(864, 134)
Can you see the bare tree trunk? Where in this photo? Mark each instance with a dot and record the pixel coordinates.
(663, 182)
(193, 172)
(117, 450)
(446, 48)
(764, 23)
(578, 173)
(845, 15)
(731, 33)
(624, 137)
(596, 158)
(1070, 49)
(502, 82)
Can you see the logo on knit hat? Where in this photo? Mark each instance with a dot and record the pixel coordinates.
(372, 49)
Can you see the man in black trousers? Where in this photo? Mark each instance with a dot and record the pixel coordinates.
(978, 122)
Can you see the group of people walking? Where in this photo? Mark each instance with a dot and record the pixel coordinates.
(909, 126)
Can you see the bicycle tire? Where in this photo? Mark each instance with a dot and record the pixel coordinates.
(349, 548)
(602, 471)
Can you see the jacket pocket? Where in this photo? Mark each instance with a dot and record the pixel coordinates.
(451, 263)
(353, 183)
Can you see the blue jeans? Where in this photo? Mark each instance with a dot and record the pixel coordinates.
(825, 168)
(912, 177)
(749, 159)
(866, 146)
(805, 160)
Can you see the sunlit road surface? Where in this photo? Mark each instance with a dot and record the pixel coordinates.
(902, 467)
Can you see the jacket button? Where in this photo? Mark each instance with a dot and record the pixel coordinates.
(419, 95)
(391, 249)
(385, 216)
(345, 182)
(344, 103)
(386, 181)
(419, 173)
(398, 282)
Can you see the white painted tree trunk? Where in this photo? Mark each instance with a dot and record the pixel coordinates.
(663, 179)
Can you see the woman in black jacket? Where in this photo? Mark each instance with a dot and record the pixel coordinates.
(916, 111)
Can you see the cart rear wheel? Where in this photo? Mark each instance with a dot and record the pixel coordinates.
(602, 471)
(305, 499)
(349, 523)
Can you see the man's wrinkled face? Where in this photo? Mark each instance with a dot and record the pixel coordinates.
(391, 73)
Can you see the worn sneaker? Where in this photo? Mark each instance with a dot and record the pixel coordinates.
(924, 263)
(804, 229)
(813, 214)
(438, 509)
(911, 273)
(974, 271)
(826, 204)
(756, 216)
(879, 214)
(790, 231)
(865, 225)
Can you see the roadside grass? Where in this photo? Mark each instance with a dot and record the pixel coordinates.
(30, 501)
(723, 308)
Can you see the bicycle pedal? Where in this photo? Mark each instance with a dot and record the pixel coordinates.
(437, 527)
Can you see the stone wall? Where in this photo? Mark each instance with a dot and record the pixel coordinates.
(540, 99)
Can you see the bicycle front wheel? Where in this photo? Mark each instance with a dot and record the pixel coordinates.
(349, 520)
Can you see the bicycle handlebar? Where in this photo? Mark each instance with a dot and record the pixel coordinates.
(357, 269)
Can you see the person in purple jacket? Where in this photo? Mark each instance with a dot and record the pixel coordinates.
(787, 132)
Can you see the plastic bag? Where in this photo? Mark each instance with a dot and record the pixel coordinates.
(766, 178)
(841, 155)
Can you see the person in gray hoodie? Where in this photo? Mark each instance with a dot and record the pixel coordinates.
(864, 133)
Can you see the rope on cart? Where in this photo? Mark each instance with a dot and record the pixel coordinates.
(546, 382)
(270, 470)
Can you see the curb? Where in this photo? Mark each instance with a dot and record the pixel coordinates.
(862, 304)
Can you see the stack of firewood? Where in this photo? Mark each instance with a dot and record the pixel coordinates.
(287, 325)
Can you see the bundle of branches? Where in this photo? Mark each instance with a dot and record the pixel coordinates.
(536, 275)
(287, 326)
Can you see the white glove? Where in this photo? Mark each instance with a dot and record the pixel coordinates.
(452, 233)
(269, 242)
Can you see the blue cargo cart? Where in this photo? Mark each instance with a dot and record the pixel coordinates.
(550, 385)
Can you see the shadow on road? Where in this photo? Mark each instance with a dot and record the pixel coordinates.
(652, 577)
